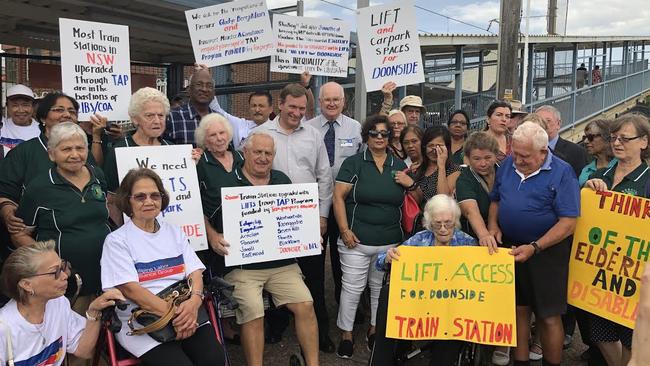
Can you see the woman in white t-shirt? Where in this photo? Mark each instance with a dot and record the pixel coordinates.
(145, 256)
(37, 326)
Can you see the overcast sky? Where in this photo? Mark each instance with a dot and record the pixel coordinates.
(585, 17)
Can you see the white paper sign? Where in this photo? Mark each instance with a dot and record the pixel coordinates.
(320, 46)
(389, 44)
(229, 33)
(174, 165)
(265, 223)
(96, 67)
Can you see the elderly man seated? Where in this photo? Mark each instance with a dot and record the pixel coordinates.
(535, 203)
(281, 278)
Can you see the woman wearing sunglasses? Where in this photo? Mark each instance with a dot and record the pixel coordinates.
(368, 196)
(145, 256)
(38, 318)
(596, 142)
(67, 203)
(629, 137)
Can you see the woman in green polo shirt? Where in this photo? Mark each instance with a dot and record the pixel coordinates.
(629, 137)
(30, 158)
(67, 203)
(368, 197)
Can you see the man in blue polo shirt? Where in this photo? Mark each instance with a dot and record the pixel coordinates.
(535, 203)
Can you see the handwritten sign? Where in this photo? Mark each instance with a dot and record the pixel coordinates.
(96, 67)
(389, 44)
(229, 33)
(265, 223)
(320, 46)
(608, 256)
(460, 293)
(174, 165)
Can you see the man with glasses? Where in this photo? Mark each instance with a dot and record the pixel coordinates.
(342, 137)
(572, 153)
(301, 154)
(19, 125)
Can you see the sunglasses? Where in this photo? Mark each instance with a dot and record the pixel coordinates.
(141, 197)
(622, 139)
(61, 110)
(376, 134)
(63, 267)
(439, 225)
(590, 137)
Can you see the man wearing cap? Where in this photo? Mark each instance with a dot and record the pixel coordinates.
(19, 126)
(517, 115)
(411, 105)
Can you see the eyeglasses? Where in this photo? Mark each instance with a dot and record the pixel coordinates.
(457, 122)
(622, 139)
(439, 225)
(61, 110)
(151, 116)
(141, 197)
(376, 134)
(63, 267)
(433, 147)
(590, 137)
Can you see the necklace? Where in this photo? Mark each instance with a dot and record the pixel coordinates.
(40, 332)
(81, 195)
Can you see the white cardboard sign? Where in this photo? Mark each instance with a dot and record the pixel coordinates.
(96, 67)
(174, 165)
(320, 46)
(389, 44)
(265, 223)
(232, 32)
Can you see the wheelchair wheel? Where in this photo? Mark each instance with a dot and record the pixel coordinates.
(296, 359)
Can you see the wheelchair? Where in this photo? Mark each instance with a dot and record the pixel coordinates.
(218, 299)
(397, 352)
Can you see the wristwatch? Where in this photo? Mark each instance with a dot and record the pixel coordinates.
(536, 246)
(199, 294)
(93, 318)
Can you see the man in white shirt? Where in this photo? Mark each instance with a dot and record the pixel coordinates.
(342, 137)
(19, 125)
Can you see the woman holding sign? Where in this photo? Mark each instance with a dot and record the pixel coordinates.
(442, 228)
(629, 137)
(67, 203)
(369, 222)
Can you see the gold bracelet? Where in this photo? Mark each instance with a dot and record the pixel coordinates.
(97, 142)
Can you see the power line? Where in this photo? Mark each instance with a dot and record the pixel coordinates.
(451, 18)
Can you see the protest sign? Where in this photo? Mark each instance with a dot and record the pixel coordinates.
(608, 256)
(265, 223)
(460, 293)
(174, 165)
(96, 67)
(389, 44)
(320, 46)
(229, 33)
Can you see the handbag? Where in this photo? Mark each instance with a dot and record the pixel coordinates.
(159, 327)
(410, 214)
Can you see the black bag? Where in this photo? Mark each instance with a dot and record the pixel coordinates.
(160, 327)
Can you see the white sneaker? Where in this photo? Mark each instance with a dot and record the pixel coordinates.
(501, 358)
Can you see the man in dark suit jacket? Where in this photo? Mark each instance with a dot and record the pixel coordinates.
(568, 151)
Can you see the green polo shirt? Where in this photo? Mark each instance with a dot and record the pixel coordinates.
(374, 204)
(55, 207)
(633, 183)
(471, 186)
(212, 176)
(23, 163)
(110, 163)
(277, 177)
(458, 157)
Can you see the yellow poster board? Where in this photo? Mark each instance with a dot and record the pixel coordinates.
(611, 245)
(460, 293)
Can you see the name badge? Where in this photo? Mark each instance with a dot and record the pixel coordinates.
(347, 142)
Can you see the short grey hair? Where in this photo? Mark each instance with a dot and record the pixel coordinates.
(207, 121)
(65, 131)
(249, 140)
(144, 95)
(397, 111)
(22, 263)
(440, 203)
(531, 132)
(549, 108)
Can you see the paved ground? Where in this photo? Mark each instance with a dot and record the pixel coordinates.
(278, 354)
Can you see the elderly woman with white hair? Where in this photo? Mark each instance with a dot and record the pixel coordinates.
(534, 205)
(67, 203)
(442, 228)
(148, 111)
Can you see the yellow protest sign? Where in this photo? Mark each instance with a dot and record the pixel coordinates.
(610, 249)
(460, 293)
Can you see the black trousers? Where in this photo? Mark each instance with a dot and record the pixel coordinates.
(201, 349)
(331, 238)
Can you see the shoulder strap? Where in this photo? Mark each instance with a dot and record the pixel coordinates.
(10, 349)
